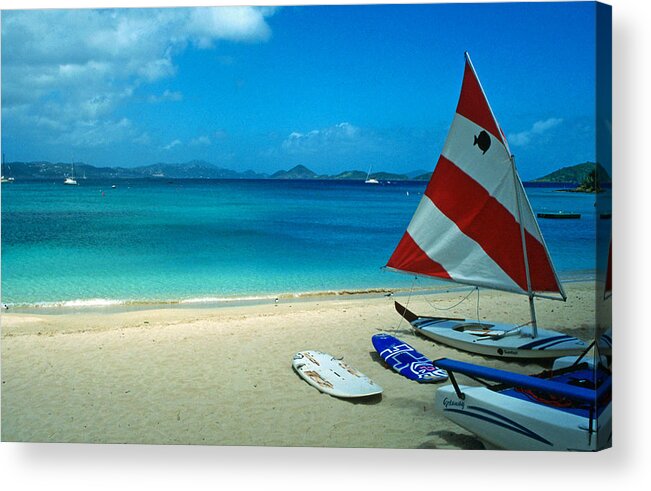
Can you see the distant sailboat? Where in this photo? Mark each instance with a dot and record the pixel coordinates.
(3, 178)
(70, 180)
(475, 226)
(369, 179)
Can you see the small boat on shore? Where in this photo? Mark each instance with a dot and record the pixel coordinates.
(566, 408)
(559, 214)
(475, 226)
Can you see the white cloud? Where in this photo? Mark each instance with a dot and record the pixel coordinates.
(220, 134)
(167, 95)
(200, 141)
(237, 24)
(539, 127)
(142, 139)
(71, 69)
(342, 134)
(172, 144)
(96, 133)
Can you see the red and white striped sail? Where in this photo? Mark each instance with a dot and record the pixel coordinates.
(467, 226)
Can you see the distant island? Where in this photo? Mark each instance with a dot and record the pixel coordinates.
(588, 177)
(194, 169)
(579, 175)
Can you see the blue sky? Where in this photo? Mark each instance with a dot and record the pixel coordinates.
(333, 88)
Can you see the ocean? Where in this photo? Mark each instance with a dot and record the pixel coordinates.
(200, 241)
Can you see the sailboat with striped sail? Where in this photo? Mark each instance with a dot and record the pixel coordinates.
(475, 226)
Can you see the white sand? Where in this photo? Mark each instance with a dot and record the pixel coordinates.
(223, 376)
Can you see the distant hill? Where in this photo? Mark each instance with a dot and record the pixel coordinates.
(298, 172)
(195, 169)
(356, 175)
(576, 174)
(423, 177)
(24, 171)
(302, 172)
(416, 174)
(388, 176)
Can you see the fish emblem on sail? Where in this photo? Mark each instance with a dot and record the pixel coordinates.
(483, 141)
(474, 224)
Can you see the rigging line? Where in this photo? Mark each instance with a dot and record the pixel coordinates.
(478, 321)
(407, 303)
(456, 304)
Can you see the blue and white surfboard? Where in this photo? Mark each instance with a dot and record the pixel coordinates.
(406, 360)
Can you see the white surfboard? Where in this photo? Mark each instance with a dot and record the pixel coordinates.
(332, 376)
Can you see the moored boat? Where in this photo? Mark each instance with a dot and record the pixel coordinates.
(559, 215)
(70, 180)
(369, 179)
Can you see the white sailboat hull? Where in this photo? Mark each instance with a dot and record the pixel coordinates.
(494, 339)
(517, 344)
(504, 422)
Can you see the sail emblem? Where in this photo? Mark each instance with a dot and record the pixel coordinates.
(483, 141)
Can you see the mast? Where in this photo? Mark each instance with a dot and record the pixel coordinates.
(532, 307)
(516, 179)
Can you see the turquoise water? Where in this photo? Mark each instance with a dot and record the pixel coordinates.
(154, 241)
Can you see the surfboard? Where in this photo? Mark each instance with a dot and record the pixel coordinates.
(406, 360)
(333, 376)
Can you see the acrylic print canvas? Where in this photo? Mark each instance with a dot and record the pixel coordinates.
(370, 226)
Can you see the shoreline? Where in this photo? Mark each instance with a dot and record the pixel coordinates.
(254, 298)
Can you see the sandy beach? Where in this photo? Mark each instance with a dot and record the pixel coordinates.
(223, 376)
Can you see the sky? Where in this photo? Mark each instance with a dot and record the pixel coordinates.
(265, 88)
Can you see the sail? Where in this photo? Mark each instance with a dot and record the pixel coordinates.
(474, 216)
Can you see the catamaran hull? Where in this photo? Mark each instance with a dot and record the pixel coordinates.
(547, 344)
(492, 339)
(504, 422)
